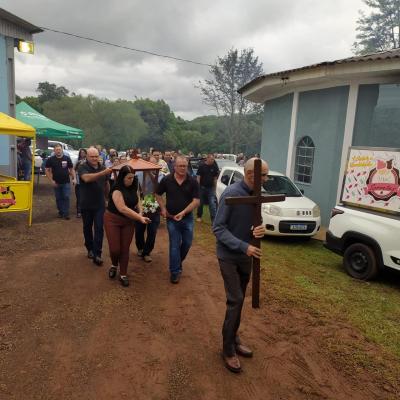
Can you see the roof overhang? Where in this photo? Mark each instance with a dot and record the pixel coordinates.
(5, 15)
(325, 74)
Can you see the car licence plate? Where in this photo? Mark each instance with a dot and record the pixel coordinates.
(298, 227)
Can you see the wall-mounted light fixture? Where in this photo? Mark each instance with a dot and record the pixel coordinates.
(24, 46)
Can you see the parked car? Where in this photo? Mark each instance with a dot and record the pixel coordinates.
(297, 215)
(224, 162)
(68, 150)
(38, 158)
(231, 157)
(193, 164)
(367, 240)
(365, 226)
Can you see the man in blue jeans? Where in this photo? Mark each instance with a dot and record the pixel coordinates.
(94, 188)
(207, 176)
(182, 195)
(26, 158)
(58, 170)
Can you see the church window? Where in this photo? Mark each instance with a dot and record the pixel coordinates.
(304, 160)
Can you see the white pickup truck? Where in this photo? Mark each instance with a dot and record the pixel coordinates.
(365, 227)
(367, 240)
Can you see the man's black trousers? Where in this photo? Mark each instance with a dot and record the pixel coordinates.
(93, 229)
(236, 274)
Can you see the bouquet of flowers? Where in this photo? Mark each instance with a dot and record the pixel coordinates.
(149, 204)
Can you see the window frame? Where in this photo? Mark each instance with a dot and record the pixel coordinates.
(230, 171)
(304, 161)
(237, 173)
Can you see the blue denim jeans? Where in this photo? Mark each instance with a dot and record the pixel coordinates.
(147, 245)
(62, 193)
(207, 196)
(93, 229)
(180, 239)
(27, 167)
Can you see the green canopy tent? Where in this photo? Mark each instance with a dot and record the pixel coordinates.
(45, 127)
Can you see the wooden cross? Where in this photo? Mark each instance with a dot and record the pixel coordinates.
(256, 200)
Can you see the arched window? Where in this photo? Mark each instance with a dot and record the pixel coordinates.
(304, 160)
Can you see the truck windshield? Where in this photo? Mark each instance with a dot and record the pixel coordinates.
(281, 185)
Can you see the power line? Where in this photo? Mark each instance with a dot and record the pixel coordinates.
(126, 47)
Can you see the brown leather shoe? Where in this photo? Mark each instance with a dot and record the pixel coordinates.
(244, 351)
(232, 363)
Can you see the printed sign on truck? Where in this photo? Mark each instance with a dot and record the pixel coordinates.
(372, 179)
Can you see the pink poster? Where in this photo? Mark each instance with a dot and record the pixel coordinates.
(372, 179)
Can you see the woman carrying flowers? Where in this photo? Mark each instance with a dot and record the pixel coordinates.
(150, 209)
(123, 209)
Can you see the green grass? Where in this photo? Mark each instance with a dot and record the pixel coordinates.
(306, 275)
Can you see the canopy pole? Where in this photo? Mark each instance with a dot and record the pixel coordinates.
(32, 181)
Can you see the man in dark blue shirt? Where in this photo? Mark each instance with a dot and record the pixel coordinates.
(234, 231)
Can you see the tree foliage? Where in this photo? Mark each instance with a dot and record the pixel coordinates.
(229, 74)
(379, 30)
(50, 91)
(143, 123)
(158, 117)
(114, 124)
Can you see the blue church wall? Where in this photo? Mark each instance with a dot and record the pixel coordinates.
(276, 130)
(377, 122)
(4, 140)
(321, 116)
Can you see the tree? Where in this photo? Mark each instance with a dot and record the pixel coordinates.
(50, 91)
(230, 73)
(380, 30)
(158, 117)
(114, 124)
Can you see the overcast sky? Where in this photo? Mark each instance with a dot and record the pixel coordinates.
(284, 34)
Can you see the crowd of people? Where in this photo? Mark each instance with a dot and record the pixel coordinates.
(132, 202)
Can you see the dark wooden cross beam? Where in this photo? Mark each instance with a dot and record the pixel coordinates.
(256, 200)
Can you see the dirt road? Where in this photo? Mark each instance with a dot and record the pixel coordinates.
(68, 332)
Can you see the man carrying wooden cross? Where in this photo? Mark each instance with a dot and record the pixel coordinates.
(233, 228)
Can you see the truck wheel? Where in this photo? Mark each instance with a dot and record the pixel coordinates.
(360, 261)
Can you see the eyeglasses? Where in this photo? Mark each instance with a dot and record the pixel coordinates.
(264, 175)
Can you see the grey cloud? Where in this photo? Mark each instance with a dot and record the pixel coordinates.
(284, 34)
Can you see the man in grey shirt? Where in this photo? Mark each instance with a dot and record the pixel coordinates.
(234, 231)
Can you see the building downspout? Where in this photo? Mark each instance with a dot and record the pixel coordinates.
(348, 134)
(292, 136)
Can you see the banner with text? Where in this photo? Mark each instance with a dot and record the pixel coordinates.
(372, 179)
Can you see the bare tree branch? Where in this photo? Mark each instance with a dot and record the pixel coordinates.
(229, 73)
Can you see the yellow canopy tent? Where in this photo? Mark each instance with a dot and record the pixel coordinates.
(16, 195)
(11, 126)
